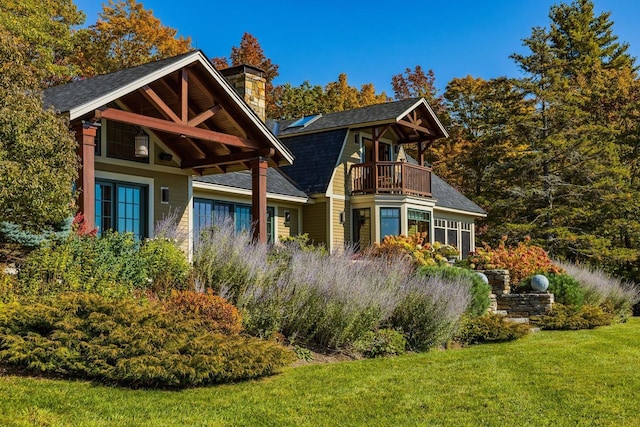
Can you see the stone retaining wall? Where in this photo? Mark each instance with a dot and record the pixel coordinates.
(515, 305)
(525, 305)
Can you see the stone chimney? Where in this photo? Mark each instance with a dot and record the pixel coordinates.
(250, 83)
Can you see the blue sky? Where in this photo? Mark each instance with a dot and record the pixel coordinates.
(373, 40)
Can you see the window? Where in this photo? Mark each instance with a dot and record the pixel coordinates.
(452, 233)
(303, 122)
(121, 207)
(418, 222)
(439, 229)
(121, 142)
(207, 212)
(361, 228)
(466, 238)
(389, 222)
(455, 233)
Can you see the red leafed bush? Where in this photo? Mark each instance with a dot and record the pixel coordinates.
(79, 226)
(217, 312)
(521, 260)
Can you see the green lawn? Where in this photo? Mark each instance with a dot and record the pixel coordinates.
(583, 378)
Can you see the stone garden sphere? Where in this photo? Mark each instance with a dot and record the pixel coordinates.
(539, 283)
(484, 277)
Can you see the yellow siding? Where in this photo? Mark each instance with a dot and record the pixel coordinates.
(315, 221)
(350, 155)
(340, 231)
(290, 228)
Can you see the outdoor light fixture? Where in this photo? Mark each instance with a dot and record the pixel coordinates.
(357, 139)
(142, 144)
(165, 156)
(342, 217)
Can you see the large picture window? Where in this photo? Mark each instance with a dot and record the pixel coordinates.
(121, 207)
(389, 222)
(207, 212)
(454, 233)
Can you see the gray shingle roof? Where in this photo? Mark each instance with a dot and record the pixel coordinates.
(277, 182)
(343, 119)
(448, 197)
(63, 98)
(316, 157)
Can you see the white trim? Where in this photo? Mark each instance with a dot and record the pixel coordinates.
(330, 219)
(458, 211)
(433, 115)
(190, 219)
(136, 180)
(162, 201)
(244, 192)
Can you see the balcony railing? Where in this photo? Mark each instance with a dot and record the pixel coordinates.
(391, 178)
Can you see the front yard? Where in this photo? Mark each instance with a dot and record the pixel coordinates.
(554, 378)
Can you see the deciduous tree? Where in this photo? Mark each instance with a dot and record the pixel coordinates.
(126, 35)
(42, 30)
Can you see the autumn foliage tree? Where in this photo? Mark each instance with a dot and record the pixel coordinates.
(126, 35)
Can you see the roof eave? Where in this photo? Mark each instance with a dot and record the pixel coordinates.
(197, 55)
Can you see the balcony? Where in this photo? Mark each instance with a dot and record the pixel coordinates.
(391, 178)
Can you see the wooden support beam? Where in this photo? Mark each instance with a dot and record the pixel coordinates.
(204, 115)
(415, 127)
(259, 198)
(86, 138)
(184, 95)
(229, 158)
(174, 128)
(160, 105)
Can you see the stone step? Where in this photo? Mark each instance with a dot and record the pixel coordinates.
(501, 312)
(517, 319)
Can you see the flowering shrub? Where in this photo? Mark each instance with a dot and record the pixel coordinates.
(521, 260)
(416, 247)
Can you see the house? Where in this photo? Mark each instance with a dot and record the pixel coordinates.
(145, 132)
(362, 184)
(177, 135)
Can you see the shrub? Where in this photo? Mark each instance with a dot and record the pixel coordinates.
(429, 310)
(381, 343)
(225, 259)
(107, 265)
(522, 260)
(601, 289)
(490, 328)
(328, 300)
(566, 290)
(8, 286)
(479, 290)
(220, 315)
(83, 335)
(573, 318)
(112, 265)
(166, 265)
(416, 247)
